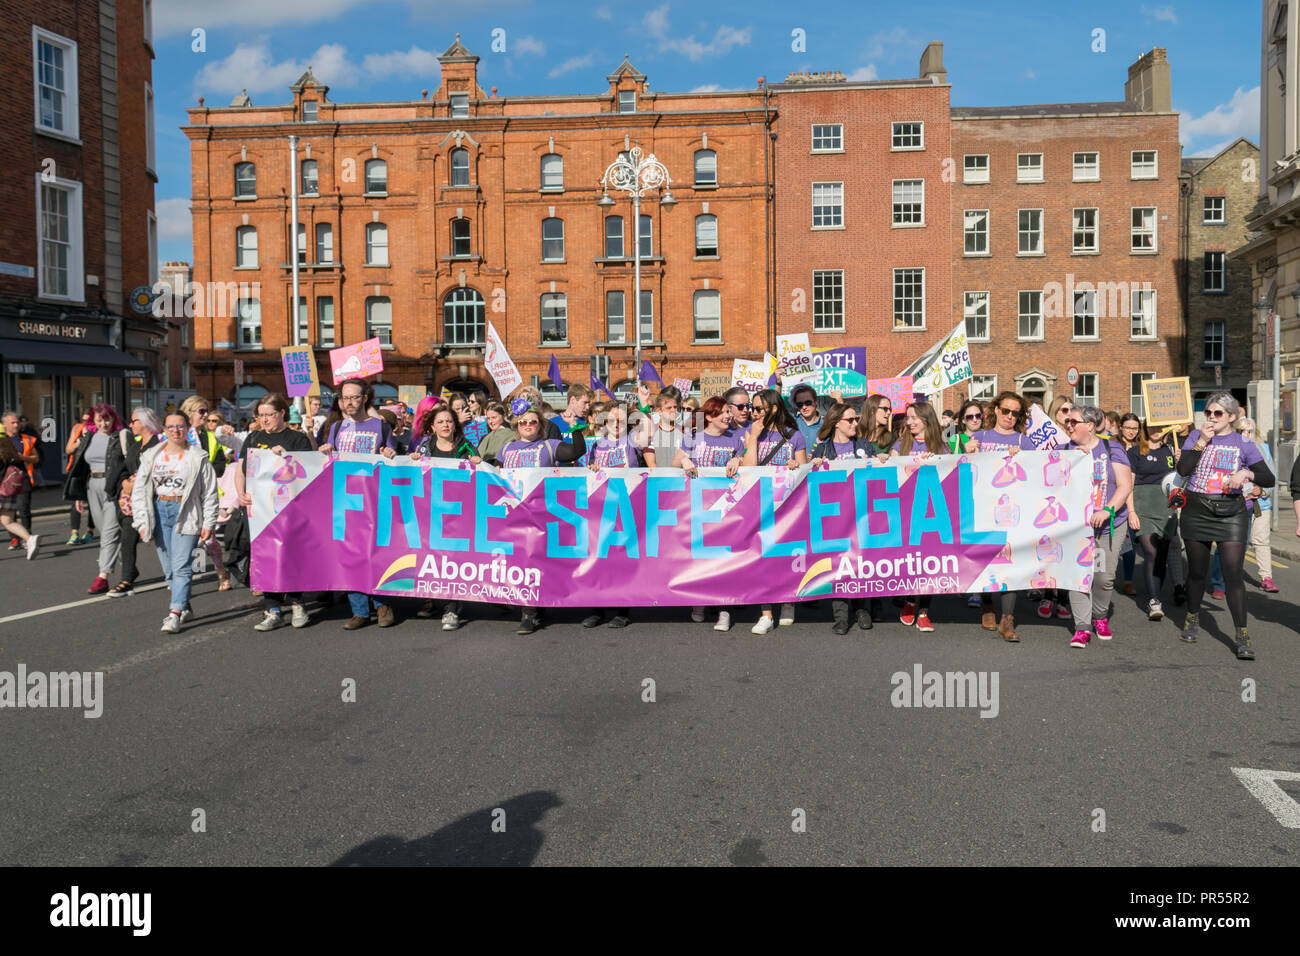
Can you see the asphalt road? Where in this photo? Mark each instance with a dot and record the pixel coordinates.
(552, 729)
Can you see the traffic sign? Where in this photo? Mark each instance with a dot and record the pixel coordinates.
(1072, 376)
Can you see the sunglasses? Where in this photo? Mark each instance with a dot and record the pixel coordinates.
(805, 404)
(1008, 411)
(1215, 413)
(214, 421)
(529, 421)
(1073, 422)
(847, 419)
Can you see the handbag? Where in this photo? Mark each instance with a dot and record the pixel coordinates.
(12, 484)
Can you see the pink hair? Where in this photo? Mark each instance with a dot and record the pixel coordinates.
(103, 408)
(421, 410)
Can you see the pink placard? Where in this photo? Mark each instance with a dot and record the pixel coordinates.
(897, 389)
(356, 361)
(683, 385)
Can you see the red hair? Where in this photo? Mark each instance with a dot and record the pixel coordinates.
(103, 408)
(712, 407)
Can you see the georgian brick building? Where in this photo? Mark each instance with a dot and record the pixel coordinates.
(421, 221)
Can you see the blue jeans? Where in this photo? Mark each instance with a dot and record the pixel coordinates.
(175, 551)
(1216, 574)
(361, 603)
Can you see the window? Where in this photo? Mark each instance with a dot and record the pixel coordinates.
(645, 238)
(460, 238)
(302, 321)
(828, 138)
(975, 229)
(1144, 164)
(1030, 321)
(376, 176)
(302, 243)
(828, 205)
(555, 317)
(1214, 273)
(310, 177)
(149, 155)
(1085, 230)
(245, 180)
(909, 202)
(706, 167)
(250, 323)
(828, 300)
(459, 105)
(60, 255)
(1144, 229)
(1085, 315)
(1029, 232)
(1214, 342)
(908, 136)
(708, 315)
(627, 101)
(1029, 167)
(376, 244)
(553, 240)
(1135, 404)
(1087, 166)
(1216, 209)
(613, 237)
(975, 168)
(976, 310)
(1085, 393)
(185, 374)
(983, 388)
(246, 247)
(460, 167)
(706, 235)
(647, 315)
(615, 317)
(553, 171)
(309, 111)
(909, 298)
(379, 319)
(151, 227)
(325, 321)
(324, 242)
(462, 317)
(54, 64)
(1143, 314)
(148, 23)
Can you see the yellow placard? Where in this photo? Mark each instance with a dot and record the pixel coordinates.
(1168, 401)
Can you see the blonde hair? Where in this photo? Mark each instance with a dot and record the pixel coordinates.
(192, 405)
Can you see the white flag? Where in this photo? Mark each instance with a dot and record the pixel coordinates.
(499, 364)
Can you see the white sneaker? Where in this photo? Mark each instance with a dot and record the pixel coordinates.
(450, 621)
(973, 601)
(1155, 610)
(300, 616)
(270, 622)
(697, 615)
(33, 545)
(187, 614)
(787, 615)
(171, 624)
(765, 624)
(724, 621)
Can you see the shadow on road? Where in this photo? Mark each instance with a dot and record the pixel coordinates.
(470, 841)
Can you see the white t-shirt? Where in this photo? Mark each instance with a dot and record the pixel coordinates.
(170, 473)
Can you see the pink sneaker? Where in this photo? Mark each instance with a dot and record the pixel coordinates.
(1268, 585)
(1102, 627)
(1080, 639)
(1063, 612)
(1045, 608)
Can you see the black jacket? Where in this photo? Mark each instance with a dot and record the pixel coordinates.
(826, 449)
(118, 466)
(74, 486)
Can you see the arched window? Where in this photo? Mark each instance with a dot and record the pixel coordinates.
(706, 235)
(552, 171)
(706, 167)
(245, 179)
(246, 247)
(376, 176)
(553, 240)
(460, 167)
(376, 244)
(310, 177)
(462, 317)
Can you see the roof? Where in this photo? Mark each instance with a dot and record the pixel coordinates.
(1044, 109)
(1206, 160)
(457, 50)
(1194, 164)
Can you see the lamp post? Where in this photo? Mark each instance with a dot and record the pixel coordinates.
(632, 173)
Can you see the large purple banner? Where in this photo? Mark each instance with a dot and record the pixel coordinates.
(550, 537)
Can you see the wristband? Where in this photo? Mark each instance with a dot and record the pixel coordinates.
(1110, 511)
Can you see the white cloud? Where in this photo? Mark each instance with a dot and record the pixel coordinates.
(862, 73)
(706, 88)
(182, 16)
(415, 62)
(726, 37)
(529, 46)
(1165, 13)
(1029, 75)
(250, 67)
(894, 43)
(571, 64)
(1238, 117)
(174, 224)
(602, 13)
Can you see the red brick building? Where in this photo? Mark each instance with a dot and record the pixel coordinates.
(420, 221)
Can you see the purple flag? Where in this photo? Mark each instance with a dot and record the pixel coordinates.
(553, 373)
(648, 373)
(598, 386)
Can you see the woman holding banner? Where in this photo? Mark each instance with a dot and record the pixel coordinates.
(969, 420)
(1152, 523)
(922, 437)
(1218, 463)
(1112, 483)
(839, 439)
(614, 449)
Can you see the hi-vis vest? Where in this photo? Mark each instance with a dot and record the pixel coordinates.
(29, 448)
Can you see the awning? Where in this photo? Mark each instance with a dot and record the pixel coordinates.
(59, 358)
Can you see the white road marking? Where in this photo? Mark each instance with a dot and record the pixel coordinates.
(84, 601)
(1263, 787)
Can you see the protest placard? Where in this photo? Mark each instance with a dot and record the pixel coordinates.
(794, 359)
(749, 375)
(1043, 432)
(683, 385)
(299, 364)
(897, 389)
(714, 383)
(840, 370)
(1168, 401)
(411, 395)
(356, 361)
(944, 364)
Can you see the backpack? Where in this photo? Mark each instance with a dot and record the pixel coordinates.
(13, 482)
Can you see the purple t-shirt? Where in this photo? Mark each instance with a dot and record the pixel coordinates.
(714, 451)
(615, 453)
(530, 454)
(1104, 456)
(364, 437)
(1221, 457)
(991, 440)
(771, 439)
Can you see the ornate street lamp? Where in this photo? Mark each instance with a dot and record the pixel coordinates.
(631, 173)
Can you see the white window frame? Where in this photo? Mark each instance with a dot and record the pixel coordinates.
(324, 250)
(1027, 177)
(1134, 167)
(1082, 397)
(895, 135)
(71, 112)
(322, 340)
(370, 303)
(242, 251)
(304, 322)
(151, 237)
(832, 305)
(302, 244)
(1222, 204)
(1142, 305)
(698, 296)
(1222, 272)
(1022, 233)
(975, 173)
(1135, 402)
(1075, 315)
(837, 136)
(609, 297)
(1136, 232)
(1095, 230)
(703, 219)
(563, 302)
(468, 238)
(150, 138)
(375, 163)
(837, 189)
(557, 163)
(76, 242)
(1036, 317)
(983, 388)
(302, 178)
(647, 316)
(243, 324)
(458, 105)
(1081, 174)
(624, 102)
(371, 246)
(704, 183)
(967, 232)
(895, 203)
(545, 239)
(894, 293)
(971, 302)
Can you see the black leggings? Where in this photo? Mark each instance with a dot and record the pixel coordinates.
(1232, 557)
(1155, 557)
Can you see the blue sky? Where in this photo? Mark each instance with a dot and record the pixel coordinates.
(996, 52)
